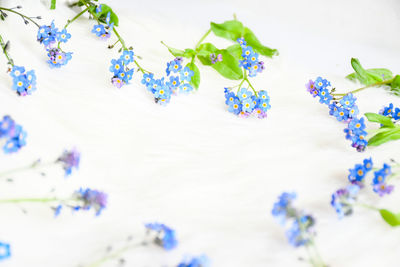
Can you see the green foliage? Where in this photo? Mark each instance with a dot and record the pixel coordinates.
(53, 4)
(390, 218)
(195, 80)
(385, 134)
(369, 76)
(252, 41)
(102, 15)
(229, 66)
(374, 117)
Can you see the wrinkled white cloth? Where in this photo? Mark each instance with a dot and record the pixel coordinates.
(192, 165)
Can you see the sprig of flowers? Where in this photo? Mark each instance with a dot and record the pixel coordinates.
(199, 261)
(158, 234)
(236, 62)
(24, 83)
(345, 199)
(68, 160)
(13, 134)
(81, 199)
(5, 251)
(301, 227)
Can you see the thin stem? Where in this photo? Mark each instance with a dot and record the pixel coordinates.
(202, 39)
(365, 87)
(21, 200)
(114, 255)
(34, 165)
(77, 16)
(254, 90)
(3, 46)
(22, 15)
(365, 206)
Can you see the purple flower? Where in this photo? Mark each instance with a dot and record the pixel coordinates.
(382, 188)
(215, 58)
(91, 199)
(343, 199)
(69, 160)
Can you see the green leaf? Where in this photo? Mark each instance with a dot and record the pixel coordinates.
(374, 117)
(395, 85)
(175, 52)
(53, 4)
(231, 29)
(189, 53)
(391, 218)
(102, 15)
(369, 76)
(252, 41)
(229, 66)
(386, 136)
(235, 50)
(204, 52)
(195, 80)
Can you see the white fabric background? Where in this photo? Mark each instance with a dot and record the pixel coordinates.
(192, 165)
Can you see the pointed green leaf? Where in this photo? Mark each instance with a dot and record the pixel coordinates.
(391, 218)
(195, 80)
(383, 137)
(231, 29)
(369, 76)
(102, 15)
(235, 50)
(53, 4)
(374, 117)
(252, 41)
(204, 52)
(229, 66)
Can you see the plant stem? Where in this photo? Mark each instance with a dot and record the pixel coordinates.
(32, 166)
(21, 200)
(366, 206)
(114, 255)
(248, 82)
(202, 39)
(3, 46)
(77, 16)
(22, 15)
(365, 87)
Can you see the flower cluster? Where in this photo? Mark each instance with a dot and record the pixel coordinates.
(215, 58)
(250, 60)
(24, 83)
(90, 199)
(49, 36)
(13, 134)
(119, 67)
(300, 231)
(5, 251)
(69, 160)
(201, 261)
(245, 103)
(344, 199)
(391, 112)
(178, 78)
(344, 110)
(104, 32)
(164, 236)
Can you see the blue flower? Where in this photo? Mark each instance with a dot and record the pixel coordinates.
(357, 125)
(116, 66)
(17, 71)
(341, 114)
(282, 208)
(47, 35)
(235, 106)
(15, 139)
(147, 78)
(57, 58)
(69, 160)
(186, 74)
(175, 66)
(343, 199)
(368, 164)
(91, 199)
(57, 210)
(358, 173)
(20, 83)
(396, 114)
(248, 105)
(321, 84)
(325, 96)
(348, 101)
(31, 77)
(162, 92)
(201, 261)
(244, 94)
(353, 111)
(388, 111)
(127, 56)
(298, 232)
(185, 88)
(165, 237)
(379, 177)
(6, 125)
(241, 42)
(99, 30)
(382, 189)
(63, 36)
(173, 82)
(5, 251)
